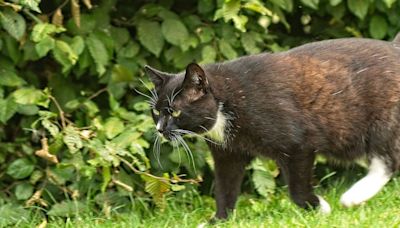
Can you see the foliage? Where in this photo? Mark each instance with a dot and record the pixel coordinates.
(72, 126)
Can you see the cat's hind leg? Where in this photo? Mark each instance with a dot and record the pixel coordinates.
(379, 173)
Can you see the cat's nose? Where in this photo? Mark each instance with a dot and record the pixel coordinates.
(160, 127)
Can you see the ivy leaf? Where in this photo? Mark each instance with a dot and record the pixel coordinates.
(99, 53)
(311, 3)
(23, 191)
(8, 108)
(283, 4)
(72, 139)
(359, 7)
(378, 27)
(174, 31)
(113, 127)
(150, 36)
(13, 23)
(67, 209)
(20, 168)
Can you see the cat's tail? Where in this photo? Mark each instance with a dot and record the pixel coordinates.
(397, 38)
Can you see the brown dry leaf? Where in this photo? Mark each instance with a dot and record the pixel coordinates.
(88, 4)
(76, 12)
(57, 18)
(44, 152)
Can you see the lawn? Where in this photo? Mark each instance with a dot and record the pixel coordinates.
(192, 210)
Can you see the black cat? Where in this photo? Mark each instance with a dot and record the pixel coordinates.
(340, 98)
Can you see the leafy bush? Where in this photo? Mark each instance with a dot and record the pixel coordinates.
(73, 125)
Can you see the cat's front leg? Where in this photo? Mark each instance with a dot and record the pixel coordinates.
(298, 172)
(229, 172)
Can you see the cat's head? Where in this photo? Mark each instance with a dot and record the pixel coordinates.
(183, 102)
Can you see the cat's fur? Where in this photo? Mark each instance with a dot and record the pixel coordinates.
(340, 98)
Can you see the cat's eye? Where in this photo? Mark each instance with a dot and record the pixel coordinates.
(156, 112)
(176, 113)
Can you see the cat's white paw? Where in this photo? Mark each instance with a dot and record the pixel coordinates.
(324, 206)
(352, 198)
(202, 225)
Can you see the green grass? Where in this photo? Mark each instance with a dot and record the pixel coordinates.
(277, 211)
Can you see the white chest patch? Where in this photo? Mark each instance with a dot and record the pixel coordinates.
(217, 132)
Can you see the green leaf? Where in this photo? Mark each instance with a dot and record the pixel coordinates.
(359, 7)
(28, 110)
(10, 78)
(113, 127)
(51, 127)
(20, 168)
(227, 50)
(121, 74)
(44, 46)
(378, 27)
(29, 96)
(64, 54)
(208, 54)
(67, 209)
(389, 3)
(13, 23)
(286, 5)
(43, 30)
(31, 4)
(157, 189)
(206, 34)
(23, 191)
(13, 214)
(130, 50)
(264, 182)
(334, 2)
(311, 3)
(77, 45)
(229, 10)
(126, 138)
(99, 53)
(174, 31)
(12, 49)
(72, 139)
(149, 33)
(249, 42)
(205, 6)
(8, 107)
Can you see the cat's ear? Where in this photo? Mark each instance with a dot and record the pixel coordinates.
(195, 77)
(156, 76)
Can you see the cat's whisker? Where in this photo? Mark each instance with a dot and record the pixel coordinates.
(149, 89)
(156, 149)
(188, 151)
(151, 99)
(197, 135)
(176, 148)
(210, 118)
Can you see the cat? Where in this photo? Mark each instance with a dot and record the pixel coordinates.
(339, 98)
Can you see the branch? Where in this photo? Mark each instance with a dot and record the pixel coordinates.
(175, 180)
(61, 112)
